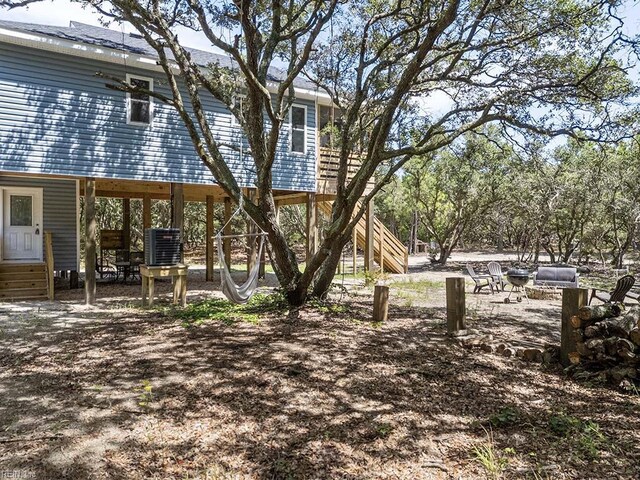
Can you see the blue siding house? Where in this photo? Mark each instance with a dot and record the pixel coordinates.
(60, 124)
(64, 133)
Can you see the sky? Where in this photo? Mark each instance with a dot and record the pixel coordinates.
(61, 12)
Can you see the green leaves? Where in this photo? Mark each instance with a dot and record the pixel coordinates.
(456, 187)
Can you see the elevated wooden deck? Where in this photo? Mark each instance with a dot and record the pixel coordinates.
(328, 167)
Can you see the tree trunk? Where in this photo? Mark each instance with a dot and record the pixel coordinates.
(500, 242)
(552, 255)
(618, 258)
(445, 253)
(536, 257)
(326, 272)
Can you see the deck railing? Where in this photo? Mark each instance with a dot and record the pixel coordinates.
(329, 164)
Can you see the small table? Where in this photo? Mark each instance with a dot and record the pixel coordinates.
(177, 272)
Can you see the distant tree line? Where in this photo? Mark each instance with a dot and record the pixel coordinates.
(578, 202)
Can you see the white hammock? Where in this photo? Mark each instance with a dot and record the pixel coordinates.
(238, 293)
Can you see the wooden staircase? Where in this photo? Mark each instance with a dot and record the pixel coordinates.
(22, 281)
(395, 255)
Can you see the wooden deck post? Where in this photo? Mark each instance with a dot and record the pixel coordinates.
(49, 263)
(369, 238)
(456, 306)
(572, 300)
(177, 213)
(312, 226)
(251, 241)
(380, 303)
(90, 240)
(226, 246)
(126, 223)
(354, 240)
(209, 239)
(146, 211)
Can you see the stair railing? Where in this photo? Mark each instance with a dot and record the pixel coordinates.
(48, 258)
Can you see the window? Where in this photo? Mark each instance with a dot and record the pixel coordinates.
(298, 133)
(21, 209)
(139, 105)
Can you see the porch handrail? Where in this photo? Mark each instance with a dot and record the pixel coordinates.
(48, 258)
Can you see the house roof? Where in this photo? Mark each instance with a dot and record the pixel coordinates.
(130, 43)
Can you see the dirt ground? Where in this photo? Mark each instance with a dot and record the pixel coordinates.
(117, 391)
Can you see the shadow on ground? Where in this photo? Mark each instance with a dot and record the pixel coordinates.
(131, 393)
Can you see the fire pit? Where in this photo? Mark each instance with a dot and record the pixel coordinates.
(518, 278)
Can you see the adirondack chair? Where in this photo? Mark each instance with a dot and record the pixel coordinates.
(481, 281)
(618, 294)
(495, 270)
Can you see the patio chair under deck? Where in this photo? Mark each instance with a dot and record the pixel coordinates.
(104, 268)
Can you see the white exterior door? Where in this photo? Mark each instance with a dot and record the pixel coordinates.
(22, 224)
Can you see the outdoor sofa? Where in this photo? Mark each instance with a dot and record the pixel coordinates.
(561, 277)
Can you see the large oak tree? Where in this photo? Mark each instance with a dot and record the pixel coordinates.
(409, 77)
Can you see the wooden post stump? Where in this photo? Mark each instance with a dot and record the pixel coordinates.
(456, 306)
(380, 303)
(572, 300)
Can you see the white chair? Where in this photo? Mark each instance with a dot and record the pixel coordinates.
(481, 281)
(495, 270)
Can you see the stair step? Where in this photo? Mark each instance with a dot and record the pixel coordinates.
(23, 293)
(22, 276)
(22, 281)
(22, 268)
(32, 282)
